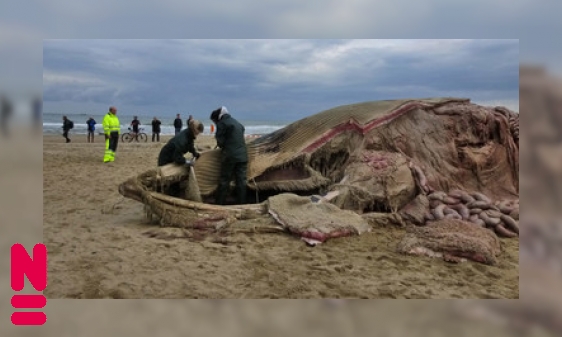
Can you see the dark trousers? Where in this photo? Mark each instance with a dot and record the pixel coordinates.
(156, 135)
(90, 136)
(113, 141)
(65, 135)
(229, 168)
(178, 130)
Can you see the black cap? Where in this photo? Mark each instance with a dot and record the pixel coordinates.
(215, 115)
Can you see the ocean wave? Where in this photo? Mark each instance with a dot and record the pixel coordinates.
(81, 129)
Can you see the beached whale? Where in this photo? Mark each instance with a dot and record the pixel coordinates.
(368, 157)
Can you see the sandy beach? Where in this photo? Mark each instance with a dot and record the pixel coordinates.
(98, 247)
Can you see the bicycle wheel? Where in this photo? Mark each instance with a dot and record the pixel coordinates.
(143, 137)
(126, 137)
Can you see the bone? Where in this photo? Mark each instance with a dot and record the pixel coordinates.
(502, 231)
(481, 197)
(510, 223)
(330, 195)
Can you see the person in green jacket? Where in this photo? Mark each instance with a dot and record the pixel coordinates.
(111, 128)
(234, 155)
(184, 142)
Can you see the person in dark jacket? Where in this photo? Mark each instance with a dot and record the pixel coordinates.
(156, 129)
(176, 147)
(178, 124)
(91, 124)
(135, 123)
(234, 155)
(66, 126)
(6, 111)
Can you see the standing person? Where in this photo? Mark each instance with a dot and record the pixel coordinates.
(234, 155)
(6, 110)
(156, 129)
(111, 128)
(189, 119)
(178, 124)
(67, 124)
(135, 124)
(37, 111)
(184, 142)
(91, 124)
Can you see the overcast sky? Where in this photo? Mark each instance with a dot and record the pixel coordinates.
(280, 80)
(25, 25)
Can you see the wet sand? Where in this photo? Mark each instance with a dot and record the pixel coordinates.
(98, 249)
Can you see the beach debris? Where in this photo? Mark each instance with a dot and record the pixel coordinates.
(453, 240)
(314, 222)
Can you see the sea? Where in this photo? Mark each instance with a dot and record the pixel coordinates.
(52, 124)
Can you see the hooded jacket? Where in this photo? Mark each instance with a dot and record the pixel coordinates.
(111, 124)
(176, 147)
(230, 138)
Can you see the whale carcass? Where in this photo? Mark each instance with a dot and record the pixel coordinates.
(368, 157)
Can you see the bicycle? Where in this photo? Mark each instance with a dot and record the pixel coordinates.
(129, 136)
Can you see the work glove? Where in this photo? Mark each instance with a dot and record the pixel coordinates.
(197, 155)
(106, 136)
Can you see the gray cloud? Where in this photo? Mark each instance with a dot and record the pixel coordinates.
(533, 22)
(287, 78)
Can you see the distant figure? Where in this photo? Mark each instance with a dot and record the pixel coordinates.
(189, 119)
(91, 124)
(156, 129)
(184, 142)
(67, 125)
(178, 124)
(234, 155)
(37, 113)
(111, 128)
(135, 124)
(6, 111)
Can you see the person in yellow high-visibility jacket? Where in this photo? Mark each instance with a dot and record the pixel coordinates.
(111, 128)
